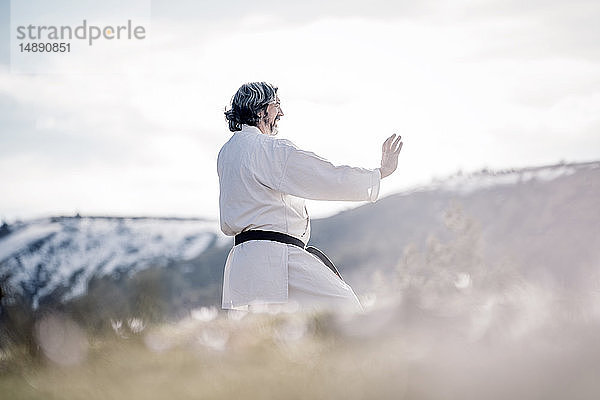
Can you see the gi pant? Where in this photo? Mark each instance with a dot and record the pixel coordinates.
(311, 286)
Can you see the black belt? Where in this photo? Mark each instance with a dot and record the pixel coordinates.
(287, 239)
(268, 235)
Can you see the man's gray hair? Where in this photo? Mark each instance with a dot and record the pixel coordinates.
(250, 99)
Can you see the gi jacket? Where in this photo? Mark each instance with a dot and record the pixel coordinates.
(263, 183)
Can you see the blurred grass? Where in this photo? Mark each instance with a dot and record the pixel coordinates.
(445, 326)
(257, 364)
(320, 356)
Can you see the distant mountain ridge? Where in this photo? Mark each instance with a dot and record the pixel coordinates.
(42, 255)
(543, 220)
(540, 218)
(485, 178)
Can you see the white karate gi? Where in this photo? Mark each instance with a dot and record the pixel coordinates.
(263, 183)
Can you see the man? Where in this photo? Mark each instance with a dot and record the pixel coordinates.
(263, 183)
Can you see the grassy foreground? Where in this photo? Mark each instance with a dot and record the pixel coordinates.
(257, 356)
(447, 326)
(298, 355)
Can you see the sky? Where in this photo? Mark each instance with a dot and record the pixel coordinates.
(133, 129)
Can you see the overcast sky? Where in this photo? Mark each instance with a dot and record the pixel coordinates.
(495, 84)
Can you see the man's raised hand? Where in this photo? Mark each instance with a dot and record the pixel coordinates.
(389, 155)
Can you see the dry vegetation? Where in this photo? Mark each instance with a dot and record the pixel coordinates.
(445, 326)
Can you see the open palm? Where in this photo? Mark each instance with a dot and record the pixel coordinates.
(389, 155)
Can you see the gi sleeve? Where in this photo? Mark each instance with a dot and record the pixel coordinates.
(309, 176)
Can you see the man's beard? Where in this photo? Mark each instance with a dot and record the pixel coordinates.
(273, 127)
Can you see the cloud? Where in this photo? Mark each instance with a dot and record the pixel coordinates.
(455, 82)
(509, 28)
(300, 12)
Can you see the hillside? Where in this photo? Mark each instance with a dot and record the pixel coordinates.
(543, 222)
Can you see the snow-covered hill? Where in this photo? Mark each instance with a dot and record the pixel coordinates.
(542, 221)
(40, 255)
(539, 216)
(467, 183)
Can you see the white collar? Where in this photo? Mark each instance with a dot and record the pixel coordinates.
(251, 129)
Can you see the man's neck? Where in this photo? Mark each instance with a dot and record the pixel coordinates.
(264, 129)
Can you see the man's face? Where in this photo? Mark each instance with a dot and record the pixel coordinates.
(273, 113)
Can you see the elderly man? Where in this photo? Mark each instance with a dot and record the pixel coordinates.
(264, 182)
